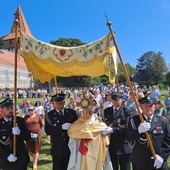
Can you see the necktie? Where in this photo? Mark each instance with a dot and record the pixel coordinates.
(8, 122)
(148, 119)
(115, 110)
(61, 113)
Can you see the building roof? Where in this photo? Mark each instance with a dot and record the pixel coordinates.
(22, 25)
(7, 58)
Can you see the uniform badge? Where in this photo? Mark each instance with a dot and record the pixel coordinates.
(3, 137)
(3, 122)
(154, 131)
(54, 124)
(155, 119)
(58, 121)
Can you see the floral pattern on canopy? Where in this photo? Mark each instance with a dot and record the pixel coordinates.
(45, 61)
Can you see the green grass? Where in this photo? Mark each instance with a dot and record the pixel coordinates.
(45, 160)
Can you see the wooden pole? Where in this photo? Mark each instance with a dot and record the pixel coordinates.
(56, 88)
(130, 86)
(117, 83)
(15, 83)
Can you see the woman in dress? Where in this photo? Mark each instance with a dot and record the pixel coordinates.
(34, 124)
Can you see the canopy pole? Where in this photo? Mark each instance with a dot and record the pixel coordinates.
(117, 83)
(130, 86)
(15, 82)
(56, 87)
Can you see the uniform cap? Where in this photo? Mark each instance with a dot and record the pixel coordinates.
(117, 96)
(59, 97)
(6, 103)
(147, 100)
(125, 97)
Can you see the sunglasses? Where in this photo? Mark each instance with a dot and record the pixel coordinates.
(30, 110)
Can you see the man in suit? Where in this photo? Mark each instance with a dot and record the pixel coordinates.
(159, 131)
(9, 161)
(57, 122)
(116, 118)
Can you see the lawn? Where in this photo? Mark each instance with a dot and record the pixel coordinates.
(45, 160)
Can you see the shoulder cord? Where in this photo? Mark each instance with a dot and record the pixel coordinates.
(131, 144)
(142, 141)
(7, 142)
(48, 120)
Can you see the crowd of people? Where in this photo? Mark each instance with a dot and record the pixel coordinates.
(99, 128)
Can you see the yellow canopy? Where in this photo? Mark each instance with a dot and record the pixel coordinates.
(45, 61)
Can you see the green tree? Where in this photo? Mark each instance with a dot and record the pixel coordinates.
(67, 42)
(153, 66)
(168, 78)
(130, 70)
(1, 42)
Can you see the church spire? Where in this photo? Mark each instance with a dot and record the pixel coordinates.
(23, 26)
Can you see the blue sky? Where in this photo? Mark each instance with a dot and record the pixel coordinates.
(140, 25)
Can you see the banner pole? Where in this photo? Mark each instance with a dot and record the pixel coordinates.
(56, 87)
(15, 81)
(117, 83)
(130, 86)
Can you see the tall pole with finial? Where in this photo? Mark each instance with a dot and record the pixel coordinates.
(56, 86)
(15, 79)
(130, 85)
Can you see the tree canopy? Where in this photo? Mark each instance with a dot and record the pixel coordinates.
(153, 66)
(168, 78)
(67, 42)
(1, 41)
(130, 69)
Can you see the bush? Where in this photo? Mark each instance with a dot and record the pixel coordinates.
(161, 86)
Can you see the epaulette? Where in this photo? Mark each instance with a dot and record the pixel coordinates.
(162, 117)
(158, 115)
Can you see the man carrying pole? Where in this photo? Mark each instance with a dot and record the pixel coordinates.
(9, 161)
(159, 131)
(150, 145)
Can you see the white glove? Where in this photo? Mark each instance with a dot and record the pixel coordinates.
(66, 126)
(107, 131)
(158, 161)
(144, 127)
(16, 130)
(12, 158)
